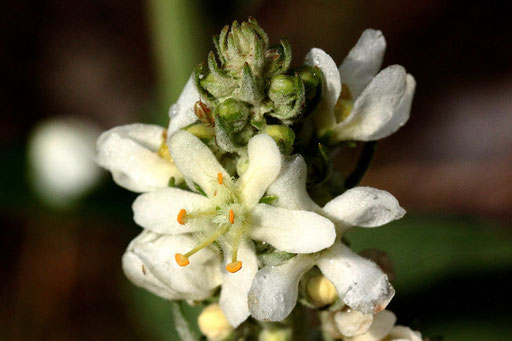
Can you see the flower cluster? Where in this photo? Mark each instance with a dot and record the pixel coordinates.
(230, 190)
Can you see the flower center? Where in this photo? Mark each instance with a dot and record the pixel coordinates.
(344, 105)
(229, 218)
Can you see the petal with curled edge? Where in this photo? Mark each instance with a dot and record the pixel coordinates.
(158, 211)
(363, 61)
(331, 88)
(291, 230)
(290, 186)
(363, 207)
(129, 152)
(162, 276)
(196, 161)
(182, 113)
(360, 283)
(376, 113)
(402, 333)
(264, 167)
(235, 286)
(382, 325)
(274, 291)
(352, 322)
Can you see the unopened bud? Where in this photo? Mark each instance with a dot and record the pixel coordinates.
(234, 113)
(282, 88)
(321, 291)
(201, 131)
(283, 135)
(352, 322)
(275, 335)
(311, 79)
(213, 323)
(204, 113)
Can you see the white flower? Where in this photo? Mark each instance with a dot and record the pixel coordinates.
(148, 263)
(229, 214)
(359, 282)
(357, 102)
(138, 157)
(353, 326)
(61, 154)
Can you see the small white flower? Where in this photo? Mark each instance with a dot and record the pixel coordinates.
(360, 283)
(229, 214)
(61, 154)
(138, 157)
(381, 326)
(358, 103)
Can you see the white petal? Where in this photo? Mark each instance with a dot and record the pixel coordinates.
(274, 291)
(402, 333)
(359, 282)
(158, 211)
(195, 281)
(331, 92)
(331, 88)
(196, 161)
(382, 324)
(129, 152)
(235, 286)
(264, 167)
(329, 325)
(353, 322)
(291, 230)
(363, 61)
(182, 112)
(404, 108)
(290, 186)
(364, 207)
(376, 113)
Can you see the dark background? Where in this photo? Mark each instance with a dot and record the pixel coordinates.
(450, 166)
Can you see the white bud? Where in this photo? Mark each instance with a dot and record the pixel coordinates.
(213, 323)
(321, 291)
(353, 322)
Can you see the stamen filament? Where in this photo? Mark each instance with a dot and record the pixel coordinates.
(181, 216)
(220, 178)
(208, 241)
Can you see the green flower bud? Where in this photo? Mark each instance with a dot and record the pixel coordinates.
(234, 113)
(282, 88)
(283, 136)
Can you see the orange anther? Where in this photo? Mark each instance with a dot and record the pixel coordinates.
(231, 216)
(181, 216)
(220, 178)
(181, 259)
(234, 266)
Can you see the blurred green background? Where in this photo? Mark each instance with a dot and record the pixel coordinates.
(114, 62)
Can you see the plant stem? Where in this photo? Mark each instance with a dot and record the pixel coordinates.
(365, 159)
(174, 26)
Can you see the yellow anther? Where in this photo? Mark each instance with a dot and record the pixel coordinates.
(181, 259)
(163, 151)
(231, 216)
(234, 266)
(181, 216)
(220, 178)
